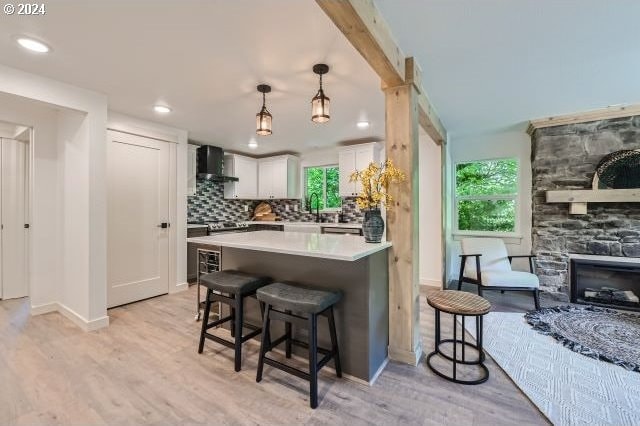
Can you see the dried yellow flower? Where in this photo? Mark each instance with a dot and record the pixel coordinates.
(375, 180)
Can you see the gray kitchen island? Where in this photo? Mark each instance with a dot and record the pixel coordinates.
(325, 261)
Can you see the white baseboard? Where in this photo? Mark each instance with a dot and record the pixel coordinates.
(379, 372)
(71, 315)
(180, 287)
(44, 309)
(328, 370)
(431, 283)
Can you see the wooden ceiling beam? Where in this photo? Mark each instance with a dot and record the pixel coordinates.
(365, 28)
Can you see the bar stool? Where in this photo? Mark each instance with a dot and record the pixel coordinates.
(238, 285)
(463, 304)
(300, 306)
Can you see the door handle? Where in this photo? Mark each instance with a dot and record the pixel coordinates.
(163, 225)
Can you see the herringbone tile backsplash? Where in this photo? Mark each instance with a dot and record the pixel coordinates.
(209, 204)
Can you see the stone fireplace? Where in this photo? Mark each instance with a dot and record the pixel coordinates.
(565, 158)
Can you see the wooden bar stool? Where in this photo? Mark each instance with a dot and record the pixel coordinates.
(463, 304)
(300, 306)
(238, 286)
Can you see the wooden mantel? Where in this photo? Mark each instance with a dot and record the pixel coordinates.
(584, 117)
(579, 198)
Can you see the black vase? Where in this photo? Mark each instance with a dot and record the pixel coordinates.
(373, 226)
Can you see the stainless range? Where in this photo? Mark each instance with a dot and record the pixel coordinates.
(227, 227)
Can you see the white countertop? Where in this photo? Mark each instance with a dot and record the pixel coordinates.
(326, 246)
(321, 224)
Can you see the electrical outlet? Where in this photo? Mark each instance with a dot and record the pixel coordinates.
(286, 207)
(246, 207)
(295, 207)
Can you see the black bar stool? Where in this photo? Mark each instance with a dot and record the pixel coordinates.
(300, 306)
(463, 304)
(238, 285)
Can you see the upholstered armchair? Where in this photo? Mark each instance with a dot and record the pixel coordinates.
(485, 263)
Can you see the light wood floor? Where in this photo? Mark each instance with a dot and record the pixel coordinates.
(144, 369)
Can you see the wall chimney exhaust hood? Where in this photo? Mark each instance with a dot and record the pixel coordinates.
(211, 164)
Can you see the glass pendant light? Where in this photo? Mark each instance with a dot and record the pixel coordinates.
(263, 118)
(320, 102)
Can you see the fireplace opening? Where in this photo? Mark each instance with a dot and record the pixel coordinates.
(606, 283)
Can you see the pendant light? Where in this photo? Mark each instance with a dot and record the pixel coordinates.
(263, 118)
(320, 102)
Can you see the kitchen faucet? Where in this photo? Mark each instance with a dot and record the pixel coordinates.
(317, 206)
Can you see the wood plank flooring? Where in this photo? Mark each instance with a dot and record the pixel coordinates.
(145, 369)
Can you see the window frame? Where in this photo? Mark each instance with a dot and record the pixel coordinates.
(324, 168)
(516, 233)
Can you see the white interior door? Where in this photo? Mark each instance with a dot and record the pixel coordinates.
(138, 203)
(14, 217)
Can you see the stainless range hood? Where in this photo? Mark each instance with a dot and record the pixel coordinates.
(211, 164)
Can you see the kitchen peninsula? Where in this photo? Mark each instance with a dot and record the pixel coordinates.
(336, 262)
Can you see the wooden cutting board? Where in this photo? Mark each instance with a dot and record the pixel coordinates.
(267, 217)
(263, 211)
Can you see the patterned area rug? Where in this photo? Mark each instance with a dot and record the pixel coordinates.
(598, 333)
(567, 387)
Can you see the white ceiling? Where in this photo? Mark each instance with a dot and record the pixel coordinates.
(494, 64)
(204, 59)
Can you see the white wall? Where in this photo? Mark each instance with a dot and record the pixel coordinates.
(79, 216)
(506, 144)
(320, 157)
(44, 255)
(431, 267)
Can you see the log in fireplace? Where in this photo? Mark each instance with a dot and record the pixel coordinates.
(613, 284)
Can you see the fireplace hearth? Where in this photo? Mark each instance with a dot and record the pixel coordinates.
(608, 283)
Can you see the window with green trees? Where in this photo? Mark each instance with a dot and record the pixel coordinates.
(324, 181)
(487, 195)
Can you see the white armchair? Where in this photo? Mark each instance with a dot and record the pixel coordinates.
(491, 269)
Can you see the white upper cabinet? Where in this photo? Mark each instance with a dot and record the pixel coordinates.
(278, 177)
(192, 168)
(352, 158)
(246, 170)
(347, 165)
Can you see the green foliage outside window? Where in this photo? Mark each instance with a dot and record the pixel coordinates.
(324, 181)
(486, 193)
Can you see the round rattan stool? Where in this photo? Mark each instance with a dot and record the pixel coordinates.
(463, 304)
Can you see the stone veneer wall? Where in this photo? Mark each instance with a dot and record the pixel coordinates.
(209, 203)
(565, 157)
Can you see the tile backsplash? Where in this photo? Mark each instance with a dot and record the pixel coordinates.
(209, 204)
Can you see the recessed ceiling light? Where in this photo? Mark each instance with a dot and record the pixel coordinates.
(162, 109)
(362, 124)
(253, 144)
(33, 45)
